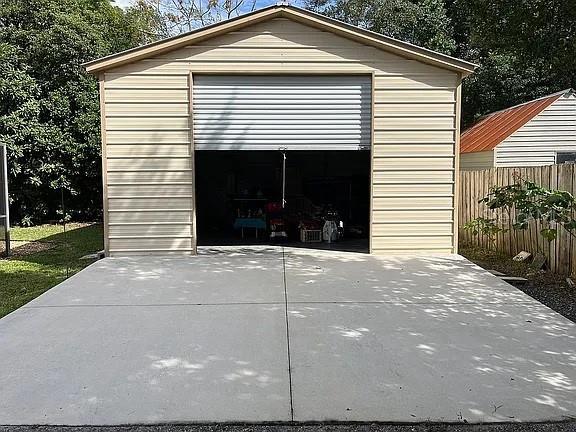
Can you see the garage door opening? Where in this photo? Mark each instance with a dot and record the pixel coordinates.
(239, 198)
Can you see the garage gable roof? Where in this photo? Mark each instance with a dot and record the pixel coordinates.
(367, 37)
(494, 128)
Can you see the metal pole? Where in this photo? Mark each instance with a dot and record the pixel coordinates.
(4, 192)
(283, 178)
(66, 251)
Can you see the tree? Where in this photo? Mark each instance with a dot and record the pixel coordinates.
(525, 49)
(421, 22)
(49, 108)
(173, 17)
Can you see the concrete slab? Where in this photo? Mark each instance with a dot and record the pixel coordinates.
(151, 339)
(319, 276)
(449, 363)
(144, 364)
(206, 279)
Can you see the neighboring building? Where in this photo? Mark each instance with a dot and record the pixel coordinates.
(539, 132)
(191, 120)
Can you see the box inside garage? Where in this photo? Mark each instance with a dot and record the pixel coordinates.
(288, 116)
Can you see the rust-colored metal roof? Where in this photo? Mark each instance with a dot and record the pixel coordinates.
(494, 128)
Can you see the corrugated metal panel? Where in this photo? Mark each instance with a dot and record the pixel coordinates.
(422, 215)
(496, 127)
(412, 189)
(477, 161)
(537, 142)
(417, 229)
(272, 112)
(148, 162)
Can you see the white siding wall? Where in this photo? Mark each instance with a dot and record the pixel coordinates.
(537, 142)
(477, 160)
(414, 122)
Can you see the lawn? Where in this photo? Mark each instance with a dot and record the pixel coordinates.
(44, 256)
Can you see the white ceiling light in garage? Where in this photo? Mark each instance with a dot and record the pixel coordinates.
(272, 112)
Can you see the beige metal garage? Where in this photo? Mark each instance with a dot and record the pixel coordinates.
(279, 78)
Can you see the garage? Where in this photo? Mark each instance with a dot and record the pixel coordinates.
(280, 125)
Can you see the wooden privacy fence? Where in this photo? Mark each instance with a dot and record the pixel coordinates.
(474, 185)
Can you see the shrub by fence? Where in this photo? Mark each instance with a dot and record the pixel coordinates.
(474, 185)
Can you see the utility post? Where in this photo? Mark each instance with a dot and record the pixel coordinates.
(4, 204)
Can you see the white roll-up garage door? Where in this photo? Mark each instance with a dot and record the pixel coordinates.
(282, 112)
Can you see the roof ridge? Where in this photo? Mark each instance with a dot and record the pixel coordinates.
(558, 93)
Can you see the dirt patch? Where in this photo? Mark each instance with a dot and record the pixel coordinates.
(20, 248)
(39, 239)
(548, 288)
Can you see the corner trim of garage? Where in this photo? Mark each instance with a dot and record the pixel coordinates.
(456, 193)
(105, 217)
(192, 160)
(372, 126)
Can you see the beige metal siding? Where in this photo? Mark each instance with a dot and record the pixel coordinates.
(413, 142)
(537, 142)
(477, 161)
(149, 176)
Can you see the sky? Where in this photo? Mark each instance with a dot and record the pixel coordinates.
(259, 3)
(123, 3)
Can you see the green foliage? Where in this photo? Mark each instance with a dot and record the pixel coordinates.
(485, 226)
(422, 22)
(526, 201)
(525, 49)
(49, 108)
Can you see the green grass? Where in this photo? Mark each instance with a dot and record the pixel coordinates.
(24, 277)
(43, 232)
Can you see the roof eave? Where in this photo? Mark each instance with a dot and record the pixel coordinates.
(532, 108)
(346, 30)
(138, 53)
(378, 40)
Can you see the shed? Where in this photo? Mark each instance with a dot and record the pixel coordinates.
(190, 124)
(535, 133)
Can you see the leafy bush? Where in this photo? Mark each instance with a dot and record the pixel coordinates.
(525, 201)
(49, 107)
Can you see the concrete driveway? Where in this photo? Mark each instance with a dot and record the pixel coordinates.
(279, 334)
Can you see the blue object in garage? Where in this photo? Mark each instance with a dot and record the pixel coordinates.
(256, 223)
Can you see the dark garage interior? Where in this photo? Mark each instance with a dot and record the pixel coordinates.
(239, 198)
